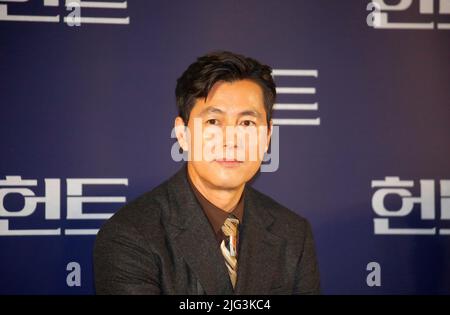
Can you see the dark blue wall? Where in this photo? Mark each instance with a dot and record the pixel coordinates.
(97, 101)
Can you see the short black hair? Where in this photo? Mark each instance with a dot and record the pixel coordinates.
(200, 77)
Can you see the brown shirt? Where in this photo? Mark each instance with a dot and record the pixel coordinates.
(217, 216)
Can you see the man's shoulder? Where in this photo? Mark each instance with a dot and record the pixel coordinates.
(284, 218)
(143, 213)
(148, 212)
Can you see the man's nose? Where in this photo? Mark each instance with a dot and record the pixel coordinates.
(229, 137)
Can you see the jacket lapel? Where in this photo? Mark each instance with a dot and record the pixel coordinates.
(259, 253)
(260, 250)
(195, 238)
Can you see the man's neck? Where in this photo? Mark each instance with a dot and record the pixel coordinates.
(225, 199)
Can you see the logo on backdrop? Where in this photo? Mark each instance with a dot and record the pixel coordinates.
(94, 12)
(79, 219)
(294, 98)
(243, 144)
(402, 220)
(427, 14)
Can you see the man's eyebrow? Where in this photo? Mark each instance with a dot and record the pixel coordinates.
(213, 109)
(253, 113)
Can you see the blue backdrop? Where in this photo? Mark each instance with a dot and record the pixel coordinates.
(87, 112)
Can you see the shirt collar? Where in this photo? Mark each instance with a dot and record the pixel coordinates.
(217, 216)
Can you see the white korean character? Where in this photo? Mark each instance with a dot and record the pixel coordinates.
(295, 91)
(380, 16)
(4, 16)
(444, 8)
(75, 17)
(445, 204)
(15, 185)
(426, 200)
(75, 200)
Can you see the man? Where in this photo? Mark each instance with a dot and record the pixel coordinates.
(205, 230)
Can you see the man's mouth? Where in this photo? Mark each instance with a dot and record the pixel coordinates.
(229, 162)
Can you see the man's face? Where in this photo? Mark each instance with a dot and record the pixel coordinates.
(228, 134)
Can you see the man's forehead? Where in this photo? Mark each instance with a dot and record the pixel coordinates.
(232, 97)
(241, 90)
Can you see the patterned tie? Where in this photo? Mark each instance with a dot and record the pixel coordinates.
(229, 246)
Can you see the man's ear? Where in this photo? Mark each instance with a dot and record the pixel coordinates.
(269, 135)
(182, 133)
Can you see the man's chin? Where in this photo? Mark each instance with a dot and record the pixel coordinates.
(227, 182)
(224, 177)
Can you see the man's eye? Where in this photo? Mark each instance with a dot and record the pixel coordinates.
(248, 123)
(212, 122)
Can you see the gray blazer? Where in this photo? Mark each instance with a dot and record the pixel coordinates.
(162, 243)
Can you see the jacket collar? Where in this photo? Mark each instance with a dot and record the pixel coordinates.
(196, 241)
